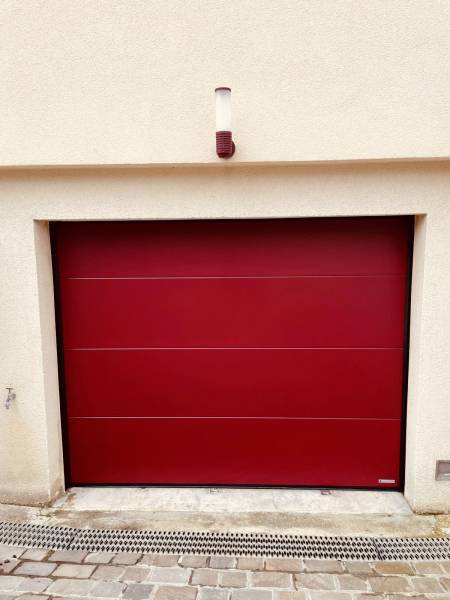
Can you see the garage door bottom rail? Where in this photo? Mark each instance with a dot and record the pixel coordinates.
(223, 544)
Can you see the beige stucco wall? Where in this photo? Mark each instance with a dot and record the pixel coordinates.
(30, 448)
(131, 81)
(120, 82)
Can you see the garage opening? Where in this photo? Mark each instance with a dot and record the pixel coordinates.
(234, 352)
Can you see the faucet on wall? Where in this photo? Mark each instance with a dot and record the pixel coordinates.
(10, 397)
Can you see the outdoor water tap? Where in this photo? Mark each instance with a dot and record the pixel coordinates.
(10, 397)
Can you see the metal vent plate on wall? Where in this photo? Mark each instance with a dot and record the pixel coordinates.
(223, 544)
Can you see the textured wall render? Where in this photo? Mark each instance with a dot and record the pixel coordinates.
(121, 82)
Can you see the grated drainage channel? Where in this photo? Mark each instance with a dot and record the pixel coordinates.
(223, 544)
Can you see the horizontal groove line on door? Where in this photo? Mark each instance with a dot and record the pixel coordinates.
(225, 348)
(254, 418)
(190, 277)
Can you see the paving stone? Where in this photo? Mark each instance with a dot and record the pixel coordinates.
(193, 561)
(39, 569)
(9, 565)
(271, 579)
(222, 562)
(205, 577)
(250, 563)
(73, 556)
(107, 589)
(323, 566)
(428, 568)
(358, 567)
(138, 591)
(393, 568)
(175, 593)
(408, 596)
(213, 594)
(426, 585)
(135, 574)
(445, 582)
(71, 597)
(99, 558)
(34, 584)
(108, 573)
(126, 558)
(71, 587)
(160, 560)
(10, 582)
(351, 582)
(233, 579)
(330, 596)
(251, 595)
(11, 551)
(315, 581)
(389, 584)
(100, 573)
(73, 571)
(291, 565)
(34, 554)
(169, 575)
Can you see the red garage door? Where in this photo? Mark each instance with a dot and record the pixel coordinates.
(263, 352)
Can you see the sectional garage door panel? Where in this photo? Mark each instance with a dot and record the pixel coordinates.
(358, 246)
(213, 383)
(292, 312)
(237, 451)
(183, 338)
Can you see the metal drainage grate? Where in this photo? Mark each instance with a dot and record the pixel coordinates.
(37, 536)
(413, 548)
(224, 544)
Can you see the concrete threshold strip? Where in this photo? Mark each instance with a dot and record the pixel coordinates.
(224, 544)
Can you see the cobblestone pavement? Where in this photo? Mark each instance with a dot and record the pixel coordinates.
(42, 574)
